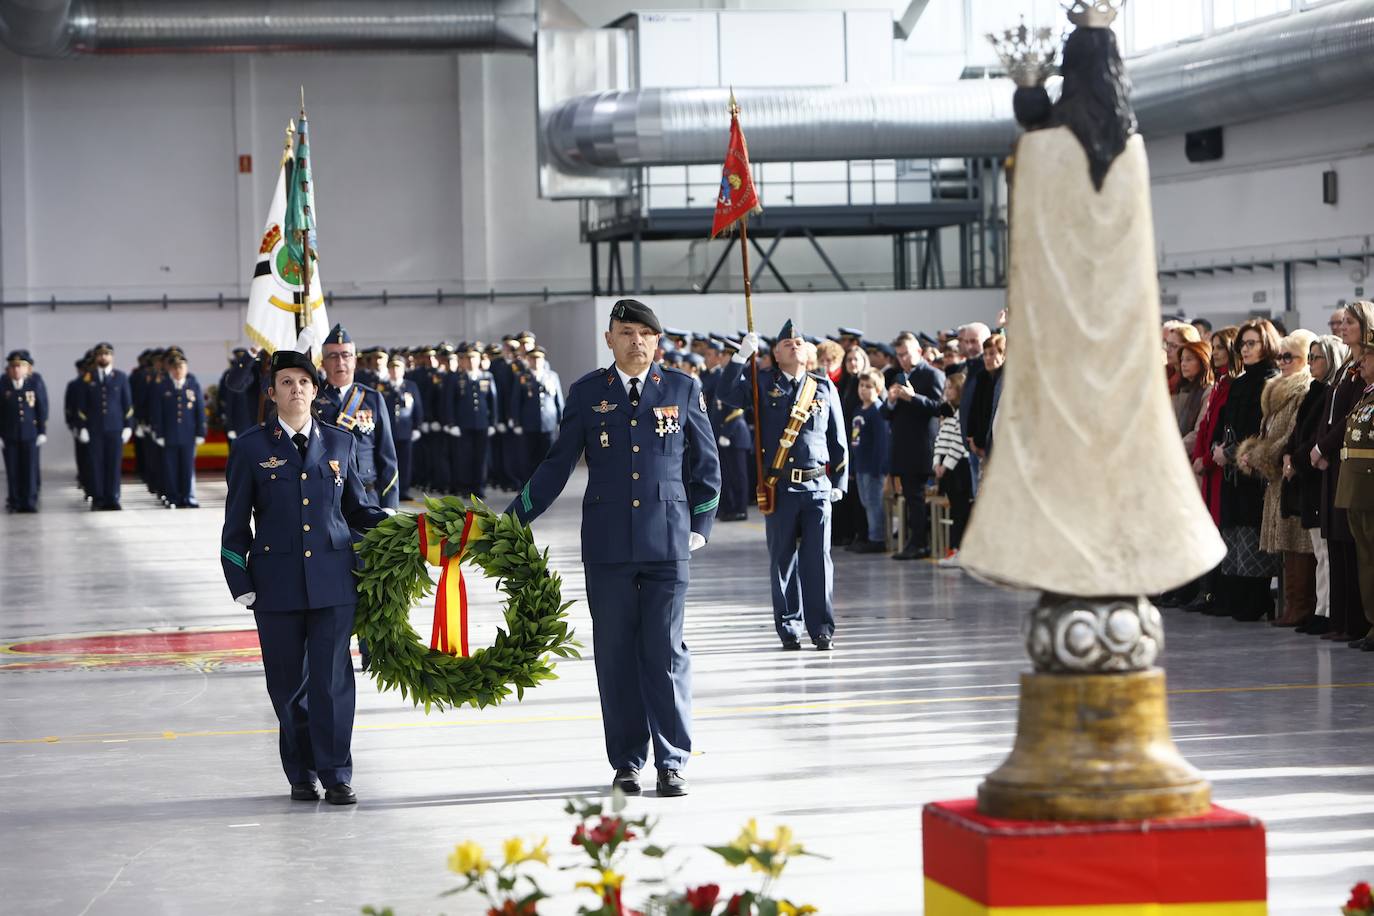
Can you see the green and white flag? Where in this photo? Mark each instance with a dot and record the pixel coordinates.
(278, 290)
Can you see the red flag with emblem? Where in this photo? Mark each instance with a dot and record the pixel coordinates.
(737, 196)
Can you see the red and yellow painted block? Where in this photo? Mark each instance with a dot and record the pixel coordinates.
(1211, 865)
(211, 455)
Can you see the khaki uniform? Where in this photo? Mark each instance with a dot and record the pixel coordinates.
(1355, 492)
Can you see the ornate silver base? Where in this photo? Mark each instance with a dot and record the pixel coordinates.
(1093, 635)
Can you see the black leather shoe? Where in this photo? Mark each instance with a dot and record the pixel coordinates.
(791, 645)
(340, 794)
(824, 643)
(870, 547)
(1361, 643)
(671, 784)
(304, 791)
(910, 554)
(626, 780)
(733, 517)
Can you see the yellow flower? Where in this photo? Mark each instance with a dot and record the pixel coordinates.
(468, 857)
(748, 836)
(514, 849)
(782, 842)
(539, 853)
(609, 879)
(786, 908)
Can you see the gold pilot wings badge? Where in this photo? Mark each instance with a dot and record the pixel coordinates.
(604, 407)
(272, 463)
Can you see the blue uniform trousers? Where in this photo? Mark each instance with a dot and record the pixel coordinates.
(105, 453)
(436, 447)
(404, 465)
(538, 444)
(643, 671)
(803, 578)
(179, 473)
(83, 467)
(305, 655)
(154, 456)
(470, 463)
(21, 474)
(734, 480)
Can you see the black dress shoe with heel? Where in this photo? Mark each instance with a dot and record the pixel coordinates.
(626, 780)
(824, 643)
(671, 784)
(304, 791)
(791, 645)
(341, 793)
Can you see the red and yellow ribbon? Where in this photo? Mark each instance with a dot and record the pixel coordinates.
(450, 633)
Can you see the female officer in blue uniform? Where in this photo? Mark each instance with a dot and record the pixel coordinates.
(294, 478)
(23, 430)
(653, 483)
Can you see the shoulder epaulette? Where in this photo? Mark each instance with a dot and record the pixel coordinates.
(677, 371)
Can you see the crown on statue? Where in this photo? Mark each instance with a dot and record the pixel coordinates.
(1027, 54)
(1093, 14)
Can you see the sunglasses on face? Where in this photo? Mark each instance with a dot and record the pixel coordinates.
(1289, 358)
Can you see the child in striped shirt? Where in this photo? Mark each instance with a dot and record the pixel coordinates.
(952, 473)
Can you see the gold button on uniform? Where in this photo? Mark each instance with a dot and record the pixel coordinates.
(307, 553)
(634, 476)
(306, 527)
(304, 476)
(306, 501)
(274, 476)
(267, 549)
(635, 504)
(634, 422)
(635, 449)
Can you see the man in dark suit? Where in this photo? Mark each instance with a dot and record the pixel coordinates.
(971, 339)
(293, 566)
(106, 417)
(913, 409)
(23, 430)
(652, 490)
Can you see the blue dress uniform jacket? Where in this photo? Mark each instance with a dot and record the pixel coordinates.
(298, 552)
(23, 418)
(375, 455)
(406, 413)
(798, 530)
(653, 479)
(470, 403)
(539, 403)
(106, 409)
(637, 507)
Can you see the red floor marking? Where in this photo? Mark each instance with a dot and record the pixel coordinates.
(199, 649)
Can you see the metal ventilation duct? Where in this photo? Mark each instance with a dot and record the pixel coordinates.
(58, 28)
(1320, 57)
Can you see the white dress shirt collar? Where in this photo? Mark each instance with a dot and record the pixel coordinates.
(306, 429)
(625, 378)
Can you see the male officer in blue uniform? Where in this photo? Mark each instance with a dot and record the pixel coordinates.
(538, 408)
(242, 393)
(652, 489)
(23, 431)
(358, 409)
(106, 417)
(406, 413)
(733, 436)
(71, 410)
(176, 415)
(809, 475)
(470, 410)
(142, 381)
(295, 479)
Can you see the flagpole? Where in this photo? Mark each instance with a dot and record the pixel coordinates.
(303, 315)
(763, 493)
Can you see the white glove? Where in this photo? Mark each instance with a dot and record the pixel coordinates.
(501, 427)
(388, 510)
(414, 435)
(161, 442)
(200, 440)
(695, 541)
(247, 598)
(491, 430)
(835, 495)
(724, 442)
(454, 431)
(126, 434)
(140, 430)
(42, 439)
(231, 435)
(747, 348)
(425, 427)
(517, 430)
(84, 436)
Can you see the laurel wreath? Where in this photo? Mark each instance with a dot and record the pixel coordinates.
(395, 578)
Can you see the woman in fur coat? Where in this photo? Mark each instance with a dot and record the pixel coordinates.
(1262, 456)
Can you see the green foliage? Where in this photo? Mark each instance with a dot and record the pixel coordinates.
(395, 578)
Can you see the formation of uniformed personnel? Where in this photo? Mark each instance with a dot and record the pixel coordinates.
(1355, 487)
(652, 490)
(23, 430)
(733, 435)
(806, 458)
(287, 552)
(538, 405)
(469, 411)
(359, 410)
(406, 413)
(176, 418)
(105, 421)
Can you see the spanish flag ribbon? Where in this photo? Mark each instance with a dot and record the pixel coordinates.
(450, 633)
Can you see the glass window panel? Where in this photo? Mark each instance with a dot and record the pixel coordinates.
(1227, 13)
(1164, 22)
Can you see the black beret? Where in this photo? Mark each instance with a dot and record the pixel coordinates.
(634, 310)
(291, 359)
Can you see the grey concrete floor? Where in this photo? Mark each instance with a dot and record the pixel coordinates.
(154, 786)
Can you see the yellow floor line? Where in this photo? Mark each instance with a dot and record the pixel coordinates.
(700, 712)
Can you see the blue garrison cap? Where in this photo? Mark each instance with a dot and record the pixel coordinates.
(695, 359)
(850, 332)
(338, 335)
(788, 331)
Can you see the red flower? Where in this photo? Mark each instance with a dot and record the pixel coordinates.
(605, 831)
(703, 899)
(1361, 897)
(735, 906)
(511, 908)
(579, 835)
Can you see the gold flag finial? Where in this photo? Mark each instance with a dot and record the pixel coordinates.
(734, 106)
